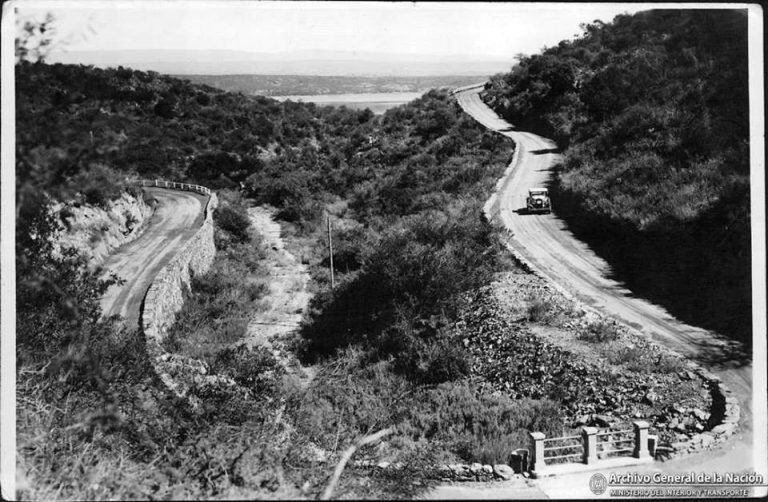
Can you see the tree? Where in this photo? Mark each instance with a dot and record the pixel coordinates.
(34, 39)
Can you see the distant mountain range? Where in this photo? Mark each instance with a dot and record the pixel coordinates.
(224, 62)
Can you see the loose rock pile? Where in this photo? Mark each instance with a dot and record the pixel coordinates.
(608, 389)
(453, 472)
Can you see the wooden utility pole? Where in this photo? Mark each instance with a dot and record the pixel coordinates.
(330, 249)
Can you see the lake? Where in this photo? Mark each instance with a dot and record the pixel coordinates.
(378, 102)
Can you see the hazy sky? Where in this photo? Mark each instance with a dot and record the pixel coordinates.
(479, 29)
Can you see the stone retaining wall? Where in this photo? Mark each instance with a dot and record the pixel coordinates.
(165, 298)
(723, 419)
(451, 472)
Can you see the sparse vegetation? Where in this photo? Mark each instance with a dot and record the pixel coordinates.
(600, 332)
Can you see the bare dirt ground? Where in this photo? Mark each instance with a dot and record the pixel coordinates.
(177, 217)
(288, 296)
(546, 243)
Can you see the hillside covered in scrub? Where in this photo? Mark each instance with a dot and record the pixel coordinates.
(652, 112)
(412, 339)
(405, 191)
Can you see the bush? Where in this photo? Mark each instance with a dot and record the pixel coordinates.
(347, 400)
(255, 369)
(600, 332)
(203, 99)
(234, 222)
(434, 361)
(477, 426)
(98, 185)
(640, 359)
(166, 107)
(540, 309)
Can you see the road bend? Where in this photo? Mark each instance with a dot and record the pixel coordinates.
(177, 217)
(546, 242)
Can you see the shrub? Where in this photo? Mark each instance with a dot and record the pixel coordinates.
(478, 426)
(348, 400)
(233, 221)
(633, 357)
(97, 184)
(641, 360)
(255, 369)
(540, 309)
(203, 99)
(166, 107)
(135, 191)
(494, 450)
(599, 332)
(434, 361)
(668, 364)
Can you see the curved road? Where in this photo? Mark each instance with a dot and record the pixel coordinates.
(546, 243)
(176, 218)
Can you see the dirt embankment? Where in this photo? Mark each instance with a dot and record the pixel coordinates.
(96, 232)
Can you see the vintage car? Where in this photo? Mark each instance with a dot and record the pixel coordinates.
(538, 201)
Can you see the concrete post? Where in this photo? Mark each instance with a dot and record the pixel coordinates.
(589, 439)
(641, 439)
(652, 442)
(537, 450)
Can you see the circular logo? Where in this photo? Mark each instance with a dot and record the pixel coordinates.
(598, 484)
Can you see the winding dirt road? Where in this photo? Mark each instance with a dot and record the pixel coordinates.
(176, 218)
(553, 251)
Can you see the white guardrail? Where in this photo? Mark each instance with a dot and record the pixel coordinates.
(468, 87)
(175, 185)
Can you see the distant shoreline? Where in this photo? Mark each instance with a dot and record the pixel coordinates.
(308, 88)
(377, 102)
(358, 97)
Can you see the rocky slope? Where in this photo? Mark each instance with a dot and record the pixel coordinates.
(96, 231)
(528, 340)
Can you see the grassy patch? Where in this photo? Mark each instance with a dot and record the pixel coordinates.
(219, 304)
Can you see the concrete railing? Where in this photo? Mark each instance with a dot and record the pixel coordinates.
(174, 185)
(468, 87)
(623, 447)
